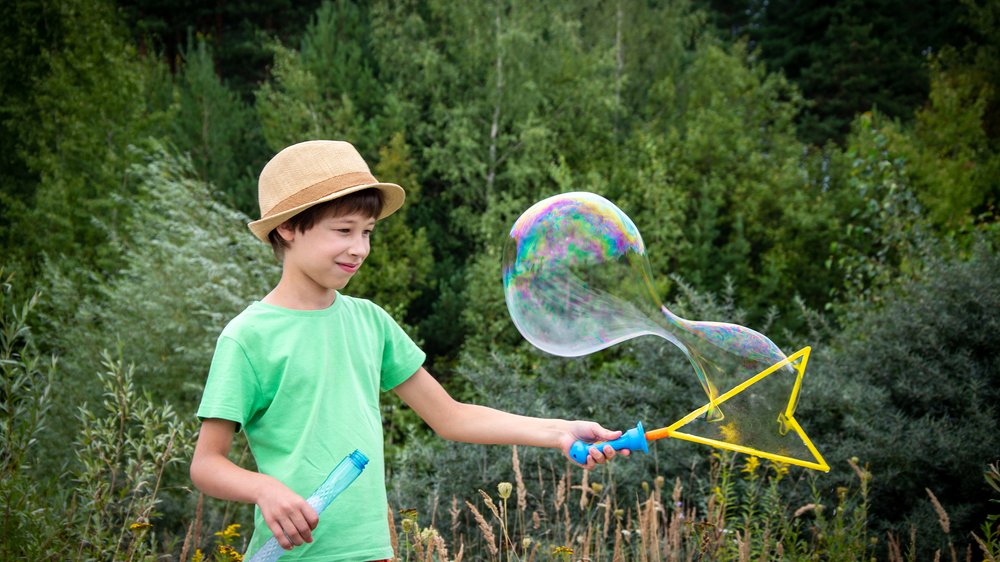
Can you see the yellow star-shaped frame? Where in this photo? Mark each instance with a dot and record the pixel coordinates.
(798, 361)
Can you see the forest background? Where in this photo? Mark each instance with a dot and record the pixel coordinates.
(824, 173)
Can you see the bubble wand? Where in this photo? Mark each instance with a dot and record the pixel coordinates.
(342, 476)
(577, 280)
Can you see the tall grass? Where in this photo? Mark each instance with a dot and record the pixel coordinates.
(737, 514)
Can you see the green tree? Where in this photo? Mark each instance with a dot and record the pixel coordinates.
(84, 108)
(931, 412)
(218, 129)
(847, 57)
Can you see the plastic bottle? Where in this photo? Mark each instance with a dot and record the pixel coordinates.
(342, 475)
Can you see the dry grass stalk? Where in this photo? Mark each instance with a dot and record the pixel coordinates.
(418, 546)
(584, 488)
(941, 513)
(393, 538)
(982, 546)
(566, 524)
(607, 518)
(743, 545)
(560, 493)
(895, 552)
(490, 504)
(486, 529)
(533, 553)
(522, 491)
(585, 551)
(185, 549)
(805, 509)
(673, 537)
(765, 545)
(454, 511)
(193, 531)
(643, 548)
(616, 554)
(441, 548)
(461, 552)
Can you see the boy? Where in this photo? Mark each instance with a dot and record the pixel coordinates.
(300, 370)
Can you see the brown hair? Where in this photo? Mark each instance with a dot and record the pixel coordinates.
(367, 202)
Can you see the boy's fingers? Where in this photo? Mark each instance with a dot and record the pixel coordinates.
(279, 535)
(312, 518)
(290, 531)
(302, 528)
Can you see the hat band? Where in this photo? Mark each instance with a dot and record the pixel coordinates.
(319, 190)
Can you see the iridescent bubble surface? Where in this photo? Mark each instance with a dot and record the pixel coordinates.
(577, 280)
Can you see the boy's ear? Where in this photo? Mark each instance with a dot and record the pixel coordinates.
(286, 231)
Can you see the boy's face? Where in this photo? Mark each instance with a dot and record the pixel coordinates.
(327, 255)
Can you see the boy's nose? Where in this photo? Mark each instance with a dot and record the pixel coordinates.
(360, 247)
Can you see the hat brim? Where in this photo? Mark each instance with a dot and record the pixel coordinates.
(392, 199)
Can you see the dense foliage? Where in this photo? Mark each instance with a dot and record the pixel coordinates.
(827, 175)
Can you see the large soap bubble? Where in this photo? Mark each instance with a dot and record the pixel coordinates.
(577, 280)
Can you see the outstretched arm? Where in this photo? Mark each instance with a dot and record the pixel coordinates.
(290, 518)
(470, 423)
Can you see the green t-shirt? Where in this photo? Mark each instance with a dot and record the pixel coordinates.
(304, 386)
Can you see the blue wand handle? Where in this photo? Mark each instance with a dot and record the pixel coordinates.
(633, 440)
(342, 475)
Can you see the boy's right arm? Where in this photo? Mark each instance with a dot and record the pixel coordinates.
(290, 518)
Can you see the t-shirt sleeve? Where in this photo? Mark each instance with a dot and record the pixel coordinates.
(232, 391)
(400, 357)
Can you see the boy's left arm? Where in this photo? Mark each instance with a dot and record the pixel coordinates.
(470, 423)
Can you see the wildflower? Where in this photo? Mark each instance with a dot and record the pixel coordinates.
(525, 543)
(841, 493)
(140, 526)
(596, 487)
(659, 482)
(504, 489)
(645, 486)
(409, 525)
(564, 550)
(780, 469)
(230, 553)
(619, 513)
(199, 556)
(751, 466)
(231, 532)
(408, 513)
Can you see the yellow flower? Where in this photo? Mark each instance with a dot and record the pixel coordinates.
(230, 553)
(504, 489)
(596, 487)
(751, 466)
(198, 556)
(408, 513)
(230, 533)
(780, 469)
(140, 526)
(562, 550)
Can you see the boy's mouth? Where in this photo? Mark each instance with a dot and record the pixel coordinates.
(349, 267)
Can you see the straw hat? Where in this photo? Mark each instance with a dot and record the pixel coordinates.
(312, 172)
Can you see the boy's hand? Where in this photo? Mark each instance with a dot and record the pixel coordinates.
(591, 432)
(290, 518)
